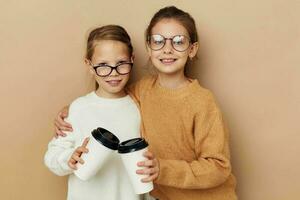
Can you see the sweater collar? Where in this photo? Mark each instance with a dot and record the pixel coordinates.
(177, 92)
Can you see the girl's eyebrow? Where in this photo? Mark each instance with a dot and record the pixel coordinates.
(101, 61)
(121, 59)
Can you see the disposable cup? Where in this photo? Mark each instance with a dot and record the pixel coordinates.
(131, 152)
(100, 146)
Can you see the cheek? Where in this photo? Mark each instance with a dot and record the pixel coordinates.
(153, 54)
(154, 61)
(184, 54)
(154, 57)
(99, 80)
(127, 76)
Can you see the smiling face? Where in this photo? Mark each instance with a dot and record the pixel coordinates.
(112, 53)
(167, 60)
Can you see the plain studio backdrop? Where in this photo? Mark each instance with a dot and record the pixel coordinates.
(249, 57)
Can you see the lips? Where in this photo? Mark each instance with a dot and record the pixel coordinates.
(114, 83)
(167, 61)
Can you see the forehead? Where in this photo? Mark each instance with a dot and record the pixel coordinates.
(169, 28)
(109, 50)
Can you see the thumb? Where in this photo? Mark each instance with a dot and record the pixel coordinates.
(85, 142)
(64, 114)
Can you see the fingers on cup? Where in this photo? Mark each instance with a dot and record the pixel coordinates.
(72, 164)
(145, 171)
(83, 149)
(85, 142)
(77, 158)
(149, 155)
(149, 178)
(147, 163)
(151, 172)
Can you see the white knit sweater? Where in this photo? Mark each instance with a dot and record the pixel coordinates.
(121, 117)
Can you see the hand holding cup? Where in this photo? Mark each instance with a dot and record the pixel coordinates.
(132, 152)
(76, 156)
(150, 167)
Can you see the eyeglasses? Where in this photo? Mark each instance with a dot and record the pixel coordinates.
(179, 42)
(104, 69)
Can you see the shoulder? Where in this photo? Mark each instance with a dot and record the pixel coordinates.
(80, 103)
(138, 89)
(146, 81)
(202, 99)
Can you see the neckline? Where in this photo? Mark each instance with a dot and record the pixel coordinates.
(176, 92)
(103, 99)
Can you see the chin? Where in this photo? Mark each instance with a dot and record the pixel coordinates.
(169, 71)
(116, 91)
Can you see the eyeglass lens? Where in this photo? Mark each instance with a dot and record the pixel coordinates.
(179, 42)
(105, 70)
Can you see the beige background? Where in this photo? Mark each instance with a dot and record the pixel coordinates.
(249, 57)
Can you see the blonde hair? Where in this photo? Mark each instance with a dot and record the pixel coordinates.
(108, 32)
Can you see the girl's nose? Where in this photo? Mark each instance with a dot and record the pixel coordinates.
(114, 72)
(168, 47)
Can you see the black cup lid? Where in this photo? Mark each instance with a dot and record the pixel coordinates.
(106, 138)
(132, 145)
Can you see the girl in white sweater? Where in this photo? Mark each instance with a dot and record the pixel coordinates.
(109, 57)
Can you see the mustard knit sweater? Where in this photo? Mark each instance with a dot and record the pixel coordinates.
(186, 132)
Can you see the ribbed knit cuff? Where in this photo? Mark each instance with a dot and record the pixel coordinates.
(64, 158)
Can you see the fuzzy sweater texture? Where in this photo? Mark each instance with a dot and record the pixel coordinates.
(120, 116)
(186, 132)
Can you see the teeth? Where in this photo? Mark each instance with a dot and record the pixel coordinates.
(114, 82)
(168, 60)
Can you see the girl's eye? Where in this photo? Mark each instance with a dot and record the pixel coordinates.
(157, 39)
(178, 40)
(158, 42)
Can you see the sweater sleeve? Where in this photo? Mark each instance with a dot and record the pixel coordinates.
(61, 149)
(58, 154)
(211, 166)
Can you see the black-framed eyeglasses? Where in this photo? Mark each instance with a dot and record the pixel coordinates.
(179, 42)
(104, 69)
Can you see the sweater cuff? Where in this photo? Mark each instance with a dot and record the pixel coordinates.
(64, 158)
(162, 166)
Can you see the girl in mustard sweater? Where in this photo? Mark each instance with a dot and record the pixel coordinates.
(181, 120)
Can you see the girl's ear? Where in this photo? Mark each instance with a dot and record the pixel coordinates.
(193, 50)
(87, 61)
(89, 65)
(132, 57)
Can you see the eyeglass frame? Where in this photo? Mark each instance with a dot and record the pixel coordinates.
(165, 39)
(111, 68)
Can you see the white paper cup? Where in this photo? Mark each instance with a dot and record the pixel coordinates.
(131, 152)
(100, 146)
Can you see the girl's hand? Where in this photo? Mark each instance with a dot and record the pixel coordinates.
(151, 167)
(59, 123)
(76, 156)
